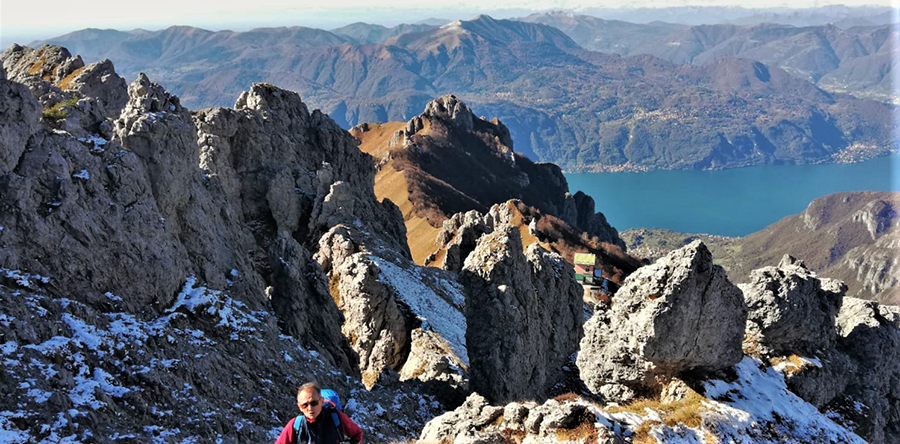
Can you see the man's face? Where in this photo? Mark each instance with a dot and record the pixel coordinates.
(310, 403)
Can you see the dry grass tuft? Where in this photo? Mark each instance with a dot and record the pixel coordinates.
(334, 288)
(66, 83)
(686, 412)
(583, 431)
(58, 111)
(567, 397)
(792, 364)
(513, 436)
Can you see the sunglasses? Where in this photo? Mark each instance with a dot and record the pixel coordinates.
(312, 403)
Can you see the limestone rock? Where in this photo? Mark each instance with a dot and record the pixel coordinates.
(791, 311)
(399, 317)
(523, 315)
(869, 333)
(679, 314)
(449, 109)
(177, 254)
(820, 380)
(19, 112)
(53, 75)
(477, 421)
(377, 328)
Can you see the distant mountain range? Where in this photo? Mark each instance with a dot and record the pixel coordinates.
(840, 15)
(857, 60)
(580, 109)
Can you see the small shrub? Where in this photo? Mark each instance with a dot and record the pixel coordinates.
(58, 111)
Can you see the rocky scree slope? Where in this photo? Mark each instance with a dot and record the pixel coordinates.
(159, 262)
(579, 109)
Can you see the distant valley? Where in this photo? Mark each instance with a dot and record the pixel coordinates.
(580, 109)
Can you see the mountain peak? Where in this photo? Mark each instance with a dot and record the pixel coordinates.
(451, 110)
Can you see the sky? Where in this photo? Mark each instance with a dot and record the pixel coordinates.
(25, 20)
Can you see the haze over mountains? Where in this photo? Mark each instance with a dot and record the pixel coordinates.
(561, 103)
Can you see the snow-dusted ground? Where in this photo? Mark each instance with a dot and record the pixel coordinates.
(207, 366)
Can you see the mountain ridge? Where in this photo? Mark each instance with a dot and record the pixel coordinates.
(579, 109)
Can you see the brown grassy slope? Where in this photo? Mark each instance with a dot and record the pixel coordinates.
(392, 183)
(834, 236)
(452, 171)
(374, 139)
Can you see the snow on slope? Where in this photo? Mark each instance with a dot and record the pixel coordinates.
(755, 408)
(440, 311)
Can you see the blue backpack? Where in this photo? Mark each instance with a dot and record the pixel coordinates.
(329, 397)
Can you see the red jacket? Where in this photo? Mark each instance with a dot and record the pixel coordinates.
(348, 428)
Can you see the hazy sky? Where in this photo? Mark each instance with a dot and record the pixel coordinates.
(23, 19)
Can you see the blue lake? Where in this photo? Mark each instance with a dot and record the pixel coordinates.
(733, 202)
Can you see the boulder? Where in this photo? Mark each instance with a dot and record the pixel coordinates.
(791, 310)
(679, 314)
(527, 422)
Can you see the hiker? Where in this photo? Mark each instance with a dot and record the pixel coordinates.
(321, 421)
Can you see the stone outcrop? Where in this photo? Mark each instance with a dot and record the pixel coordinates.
(460, 233)
(272, 179)
(53, 75)
(790, 309)
(523, 315)
(838, 353)
(679, 314)
(21, 112)
(869, 333)
(476, 421)
(399, 317)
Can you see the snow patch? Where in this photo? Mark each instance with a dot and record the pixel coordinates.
(761, 396)
(87, 385)
(97, 143)
(23, 279)
(198, 300)
(433, 310)
(83, 175)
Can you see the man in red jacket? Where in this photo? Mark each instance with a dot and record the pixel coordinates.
(320, 423)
